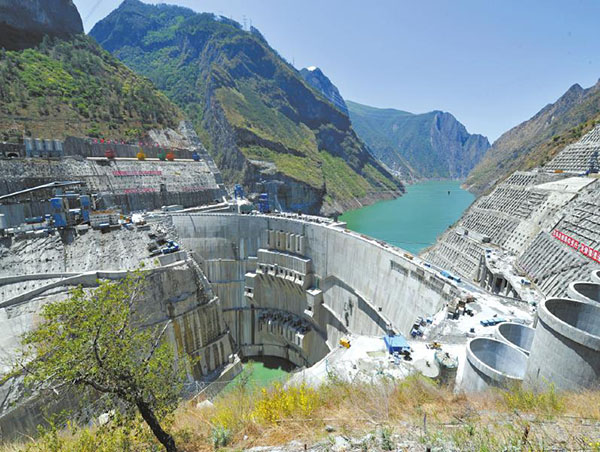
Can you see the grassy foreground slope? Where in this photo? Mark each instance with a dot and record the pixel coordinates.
(255, 113)
(383, 415)
(73, 87)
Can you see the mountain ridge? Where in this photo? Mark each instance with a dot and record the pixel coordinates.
(418, 146)
(535, 141)
(318, 80)
(263, 124)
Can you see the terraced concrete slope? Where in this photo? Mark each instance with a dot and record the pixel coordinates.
(540, 226)
(418, 146)
(535, 141)
(265, 127)
(73, 87)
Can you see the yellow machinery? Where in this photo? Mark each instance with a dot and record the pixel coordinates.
(345, 342)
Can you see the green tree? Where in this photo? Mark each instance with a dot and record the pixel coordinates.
(94, 339)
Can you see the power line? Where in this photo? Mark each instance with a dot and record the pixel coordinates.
(93, 10)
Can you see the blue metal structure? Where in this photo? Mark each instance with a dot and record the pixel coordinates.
(238, 192)
(85, 207)
(396, 344)
(59, 216)
(263, 203)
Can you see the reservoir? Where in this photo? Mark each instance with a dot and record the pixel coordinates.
(413, 221)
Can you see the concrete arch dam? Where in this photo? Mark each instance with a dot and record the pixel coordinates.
(292, 287)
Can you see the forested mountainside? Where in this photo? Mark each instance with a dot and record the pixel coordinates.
(73, 87)
(535, 141)
(418, 146)
(263, 124)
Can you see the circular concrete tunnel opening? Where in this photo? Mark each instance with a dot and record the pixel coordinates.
(566, 346)
(492, 363)
(520, 336)
(584, 291)
(498, 356)
(577, 320)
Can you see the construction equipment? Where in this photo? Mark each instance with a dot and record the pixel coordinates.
(172, 247)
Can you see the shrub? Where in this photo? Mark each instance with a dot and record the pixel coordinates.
(281, 403)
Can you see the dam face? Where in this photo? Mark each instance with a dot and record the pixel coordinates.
(292, 287)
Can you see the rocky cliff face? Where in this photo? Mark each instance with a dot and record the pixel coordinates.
(25, 22)
(264, 125)
(429, 145)
(535, 141)
(315, 78)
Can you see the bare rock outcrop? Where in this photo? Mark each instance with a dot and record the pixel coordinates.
(25, 22)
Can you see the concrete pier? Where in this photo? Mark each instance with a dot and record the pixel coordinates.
(566, 346)
(492, 363)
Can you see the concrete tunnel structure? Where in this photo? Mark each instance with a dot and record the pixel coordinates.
(492, 363)
(566, 347)
(588, 292)
(515, 334)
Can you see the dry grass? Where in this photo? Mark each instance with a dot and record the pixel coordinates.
(495, 420)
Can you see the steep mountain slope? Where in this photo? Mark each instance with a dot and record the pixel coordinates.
(417, 146)
(315, 78)
(265, 127)
(536, 141)
(73, 87)
(25, 22)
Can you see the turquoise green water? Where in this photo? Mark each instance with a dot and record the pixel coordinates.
(258, 374)
(415, 220)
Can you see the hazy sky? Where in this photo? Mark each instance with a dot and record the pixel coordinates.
(491, 63)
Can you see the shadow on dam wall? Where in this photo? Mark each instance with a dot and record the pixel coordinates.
(292, 287)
